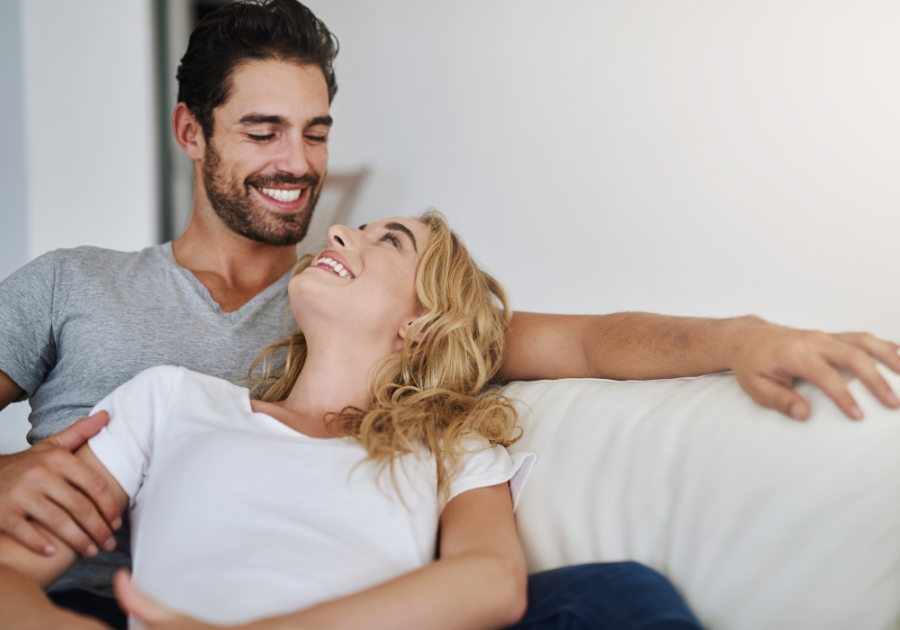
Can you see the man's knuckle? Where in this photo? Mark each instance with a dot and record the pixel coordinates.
(57, 457)
(81, 508)
(818, 338)
(97, 486)
(35, 474)
(21, 530)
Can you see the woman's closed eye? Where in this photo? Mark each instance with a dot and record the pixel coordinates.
(391, 237)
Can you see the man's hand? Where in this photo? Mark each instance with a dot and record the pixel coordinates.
(766, 359)
(48, 484)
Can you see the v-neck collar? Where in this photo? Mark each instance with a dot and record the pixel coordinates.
(274, 289)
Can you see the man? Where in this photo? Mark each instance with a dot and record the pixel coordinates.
(255, 88)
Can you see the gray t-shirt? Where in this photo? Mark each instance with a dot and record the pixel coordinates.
(77, 323)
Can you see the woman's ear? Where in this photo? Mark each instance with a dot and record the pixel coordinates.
(404, 330)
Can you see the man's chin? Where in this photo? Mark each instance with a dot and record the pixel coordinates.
(278, 229)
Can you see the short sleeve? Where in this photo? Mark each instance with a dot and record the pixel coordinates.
(485, 465)
(27, 346)
(125, 445)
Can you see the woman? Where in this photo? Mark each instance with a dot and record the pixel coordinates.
(317, 503)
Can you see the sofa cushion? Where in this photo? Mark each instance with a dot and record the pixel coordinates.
(760, 521)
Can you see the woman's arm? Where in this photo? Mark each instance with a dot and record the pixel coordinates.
(479, 582)
(24, 574)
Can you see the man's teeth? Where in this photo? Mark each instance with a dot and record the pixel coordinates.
(334, 265)
(282, 195)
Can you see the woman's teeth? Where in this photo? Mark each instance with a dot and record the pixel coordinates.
(334, 265)
(282, 195)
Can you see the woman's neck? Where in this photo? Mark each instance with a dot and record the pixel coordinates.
(334, 376)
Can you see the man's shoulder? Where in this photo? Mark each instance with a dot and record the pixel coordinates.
(115, 270)
(108, 259)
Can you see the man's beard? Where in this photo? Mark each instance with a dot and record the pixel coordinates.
(236, 206)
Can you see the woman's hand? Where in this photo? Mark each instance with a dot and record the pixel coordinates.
(150, 613)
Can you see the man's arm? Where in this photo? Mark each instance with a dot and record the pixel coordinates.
(765, 358)
(24, 574)
(9, 390)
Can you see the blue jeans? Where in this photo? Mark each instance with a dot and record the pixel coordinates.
(604, 596)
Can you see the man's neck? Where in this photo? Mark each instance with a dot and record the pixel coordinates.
(233, 268)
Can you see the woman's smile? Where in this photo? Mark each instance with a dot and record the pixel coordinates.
(335, 263)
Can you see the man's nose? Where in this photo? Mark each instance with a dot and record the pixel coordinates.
(293, 157)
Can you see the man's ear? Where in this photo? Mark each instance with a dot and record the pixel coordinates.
(188, 132)
(404, 330)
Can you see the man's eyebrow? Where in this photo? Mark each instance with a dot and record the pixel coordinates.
(321, 120)
(274, 119)
(399, 226)
(261, 119)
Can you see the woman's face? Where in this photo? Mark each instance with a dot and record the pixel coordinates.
(364, 283)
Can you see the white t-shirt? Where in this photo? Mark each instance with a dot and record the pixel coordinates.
(235, 516)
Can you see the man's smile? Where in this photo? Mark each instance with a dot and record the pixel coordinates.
(283, 199)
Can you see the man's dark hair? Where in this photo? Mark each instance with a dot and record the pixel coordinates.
(284, 30)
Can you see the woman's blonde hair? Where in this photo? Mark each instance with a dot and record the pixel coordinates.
(431, 392)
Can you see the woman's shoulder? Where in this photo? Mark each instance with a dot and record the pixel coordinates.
(173, 376)
(485, 464)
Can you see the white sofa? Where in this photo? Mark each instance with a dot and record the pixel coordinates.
(761, 522)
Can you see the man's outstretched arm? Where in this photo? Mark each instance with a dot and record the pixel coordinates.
(765, 358)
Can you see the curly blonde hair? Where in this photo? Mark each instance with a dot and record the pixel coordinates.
(431, 392)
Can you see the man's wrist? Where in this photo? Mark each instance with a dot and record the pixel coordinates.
(732, 335)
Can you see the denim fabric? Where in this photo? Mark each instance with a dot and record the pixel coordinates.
(604, 596)
(103, 608)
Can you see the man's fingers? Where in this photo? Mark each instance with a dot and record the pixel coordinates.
(830, 381)
(80, 432)
(60, 522)
(48, 496)
(27, 534)
(884, 351)
(82, 523)
(860, 363)
(95, 488)
(780, 397)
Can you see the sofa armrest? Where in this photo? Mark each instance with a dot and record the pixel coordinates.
(759, 521)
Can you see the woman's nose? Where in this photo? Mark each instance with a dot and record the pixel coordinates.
(339, 236)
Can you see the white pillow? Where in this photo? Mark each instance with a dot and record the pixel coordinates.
(761, 522)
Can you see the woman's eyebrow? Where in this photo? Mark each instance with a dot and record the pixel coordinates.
(405, 230)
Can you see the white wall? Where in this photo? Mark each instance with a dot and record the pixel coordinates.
(83, 170)
(14, 201)
(90, 126)
(691, 157)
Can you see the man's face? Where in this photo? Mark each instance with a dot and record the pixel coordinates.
(264, 165)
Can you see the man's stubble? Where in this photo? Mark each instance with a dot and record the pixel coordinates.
(234, 203)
